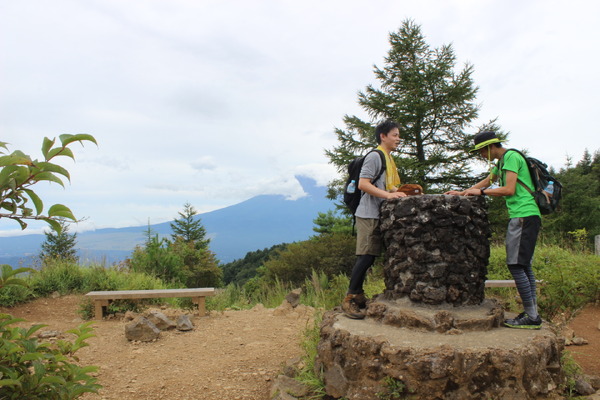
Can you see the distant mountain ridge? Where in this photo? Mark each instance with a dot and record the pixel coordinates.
(254, 224)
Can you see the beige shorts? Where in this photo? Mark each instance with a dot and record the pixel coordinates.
(368, 237)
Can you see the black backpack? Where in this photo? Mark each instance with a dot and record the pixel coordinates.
(352, 193)
(540, 177)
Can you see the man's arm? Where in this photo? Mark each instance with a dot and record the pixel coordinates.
(476, 187)
(507, 190)
(366, 186)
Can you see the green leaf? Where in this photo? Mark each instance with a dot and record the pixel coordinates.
(9, 206)
(22, 223)
(10, 382)
(61, 211)
(59, 380)
(60, 151)
(15, 159)
(16, 282)
(46, 146)
(49, 167)
(53, 224)
(9, 319)
(67, 139)
(37, 202)
(30, 357)
(49, 176)
(22, 175)
(39, 369)
(7, 172)
(88, 369)
(34, 329)
(8, 271)
(81, 338)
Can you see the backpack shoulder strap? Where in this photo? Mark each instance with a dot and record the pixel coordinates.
(526, 163)
(383, 164)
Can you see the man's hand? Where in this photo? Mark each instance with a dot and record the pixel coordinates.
(395, 195)
(472, 192)
(455, 193)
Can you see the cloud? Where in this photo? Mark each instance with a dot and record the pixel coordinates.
(205, 163)
(216, 102)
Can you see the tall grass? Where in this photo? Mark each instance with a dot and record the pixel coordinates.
(570, 279)
(57, 276)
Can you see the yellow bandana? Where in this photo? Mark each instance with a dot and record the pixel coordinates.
(392, 179)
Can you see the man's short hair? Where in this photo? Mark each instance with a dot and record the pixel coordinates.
(385, 127)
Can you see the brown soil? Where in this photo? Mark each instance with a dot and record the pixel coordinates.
(230, 355)
(587, 326)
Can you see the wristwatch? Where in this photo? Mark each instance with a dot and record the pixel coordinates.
(482, 192)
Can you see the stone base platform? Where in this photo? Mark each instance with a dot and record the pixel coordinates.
(403, 313)
(367, 359)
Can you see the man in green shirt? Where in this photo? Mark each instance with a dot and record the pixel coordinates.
(524, 223)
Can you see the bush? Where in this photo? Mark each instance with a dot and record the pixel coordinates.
(570, 278)
(56, 275)
(12, 295)
(331, 254)
(13, 289)
(33, 370)
(98, 279)
(232, 296)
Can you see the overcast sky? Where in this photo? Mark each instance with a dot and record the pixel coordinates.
(214, 102)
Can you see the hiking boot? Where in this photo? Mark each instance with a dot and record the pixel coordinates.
(351, 308)
(524, 321)
(361, 300)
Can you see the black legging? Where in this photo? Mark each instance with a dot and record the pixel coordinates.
(363, 263)
(525, 282)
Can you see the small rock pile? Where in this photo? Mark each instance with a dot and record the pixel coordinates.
(147, 327)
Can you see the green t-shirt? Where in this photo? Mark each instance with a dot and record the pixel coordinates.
(521, 204)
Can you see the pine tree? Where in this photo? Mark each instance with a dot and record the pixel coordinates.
(60, 245)
(580, 204)
(433, 105)
(189, 229)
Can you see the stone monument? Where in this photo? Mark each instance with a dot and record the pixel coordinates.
(432, 334)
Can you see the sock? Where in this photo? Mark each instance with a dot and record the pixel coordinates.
(531, 309)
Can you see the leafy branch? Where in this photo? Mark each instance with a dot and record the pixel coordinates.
(19, 172)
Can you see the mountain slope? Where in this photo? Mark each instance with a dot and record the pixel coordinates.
(254, 224)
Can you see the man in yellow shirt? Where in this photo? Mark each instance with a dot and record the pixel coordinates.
(368, 235)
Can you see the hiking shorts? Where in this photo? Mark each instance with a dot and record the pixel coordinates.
(368, 237)
(521, 237)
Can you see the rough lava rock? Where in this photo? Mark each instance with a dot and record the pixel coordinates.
(437, 248)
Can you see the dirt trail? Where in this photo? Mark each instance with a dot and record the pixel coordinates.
(587, 325)
(231, 355)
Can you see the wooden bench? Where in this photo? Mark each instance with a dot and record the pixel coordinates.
(102, 298)
(504, 283)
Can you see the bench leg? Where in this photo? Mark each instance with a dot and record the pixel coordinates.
(201, 305)
(98, 304)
